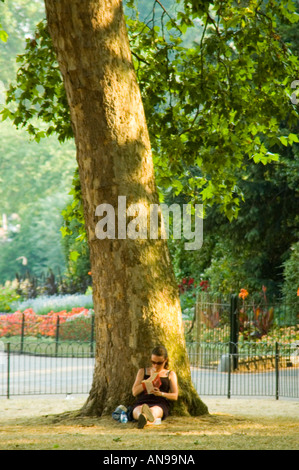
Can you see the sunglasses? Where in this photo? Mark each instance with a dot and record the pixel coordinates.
(158, 363)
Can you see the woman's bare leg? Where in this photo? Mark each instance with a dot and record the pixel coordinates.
(137, 412)
(157, 412)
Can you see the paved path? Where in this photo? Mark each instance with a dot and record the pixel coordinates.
(30, 375)
(34, 375)
(212, 382)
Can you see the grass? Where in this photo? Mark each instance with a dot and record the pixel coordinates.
(236, 424)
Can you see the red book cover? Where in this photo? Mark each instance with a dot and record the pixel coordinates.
(152, 382)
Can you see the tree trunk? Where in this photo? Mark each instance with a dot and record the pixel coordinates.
(135, 294)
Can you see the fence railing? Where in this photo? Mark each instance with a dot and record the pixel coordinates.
(253, 370)
(46, 369)
(237, 320)
(43, 369)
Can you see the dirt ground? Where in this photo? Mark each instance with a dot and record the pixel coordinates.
(51, 423)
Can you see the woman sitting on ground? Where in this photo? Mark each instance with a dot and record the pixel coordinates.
(150, 406)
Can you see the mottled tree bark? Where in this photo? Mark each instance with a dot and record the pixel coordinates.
(136, 299)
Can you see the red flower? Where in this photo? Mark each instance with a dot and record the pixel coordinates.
(204, 285)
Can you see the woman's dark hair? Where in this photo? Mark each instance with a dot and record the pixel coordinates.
(161, 351)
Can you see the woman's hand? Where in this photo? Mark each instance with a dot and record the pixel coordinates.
(157, 392)
(173, 393)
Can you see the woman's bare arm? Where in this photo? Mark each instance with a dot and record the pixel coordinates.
(137, 387)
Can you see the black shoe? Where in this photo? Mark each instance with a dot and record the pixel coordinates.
(141, 421)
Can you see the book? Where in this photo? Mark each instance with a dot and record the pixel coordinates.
(152, 382)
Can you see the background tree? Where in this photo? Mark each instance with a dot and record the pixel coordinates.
(35, 177)
(252, 250)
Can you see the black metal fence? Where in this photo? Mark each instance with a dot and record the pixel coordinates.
(235, 319)
(46, 369)
(253, 370)
(67, 368)
(235, 349)
(245, 348)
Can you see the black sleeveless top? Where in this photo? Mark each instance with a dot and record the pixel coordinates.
(165, 382)
(153, 400)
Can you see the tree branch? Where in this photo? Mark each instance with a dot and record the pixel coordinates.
(139, 58)
(171, 19)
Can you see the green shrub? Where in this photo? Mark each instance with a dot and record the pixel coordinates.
(291, 282)
(78, 329)
(8, 295)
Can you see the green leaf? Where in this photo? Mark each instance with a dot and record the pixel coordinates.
(65, 231)
(3, 35)
(284, 140)
(274, 157)
(293, 138)
(74, 255)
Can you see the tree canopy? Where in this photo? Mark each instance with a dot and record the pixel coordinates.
(210, 107)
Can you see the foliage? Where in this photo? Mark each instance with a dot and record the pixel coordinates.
(37, 244)
(259, 321)
(8, 295)
(252, 249)
(32, 171)
(55, 285)
(74, 237)
(224, 272)
(18, 20)
(40, 317)
(188, 293)
(35, 176)
(3, 34)
(78, 329)
(291, 274)
(39, 90)
(210, 108)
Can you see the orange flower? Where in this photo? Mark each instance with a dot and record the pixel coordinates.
(243, 294)
(298, 292)
(89, 272)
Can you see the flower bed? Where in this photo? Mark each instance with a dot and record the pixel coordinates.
(46, 325)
